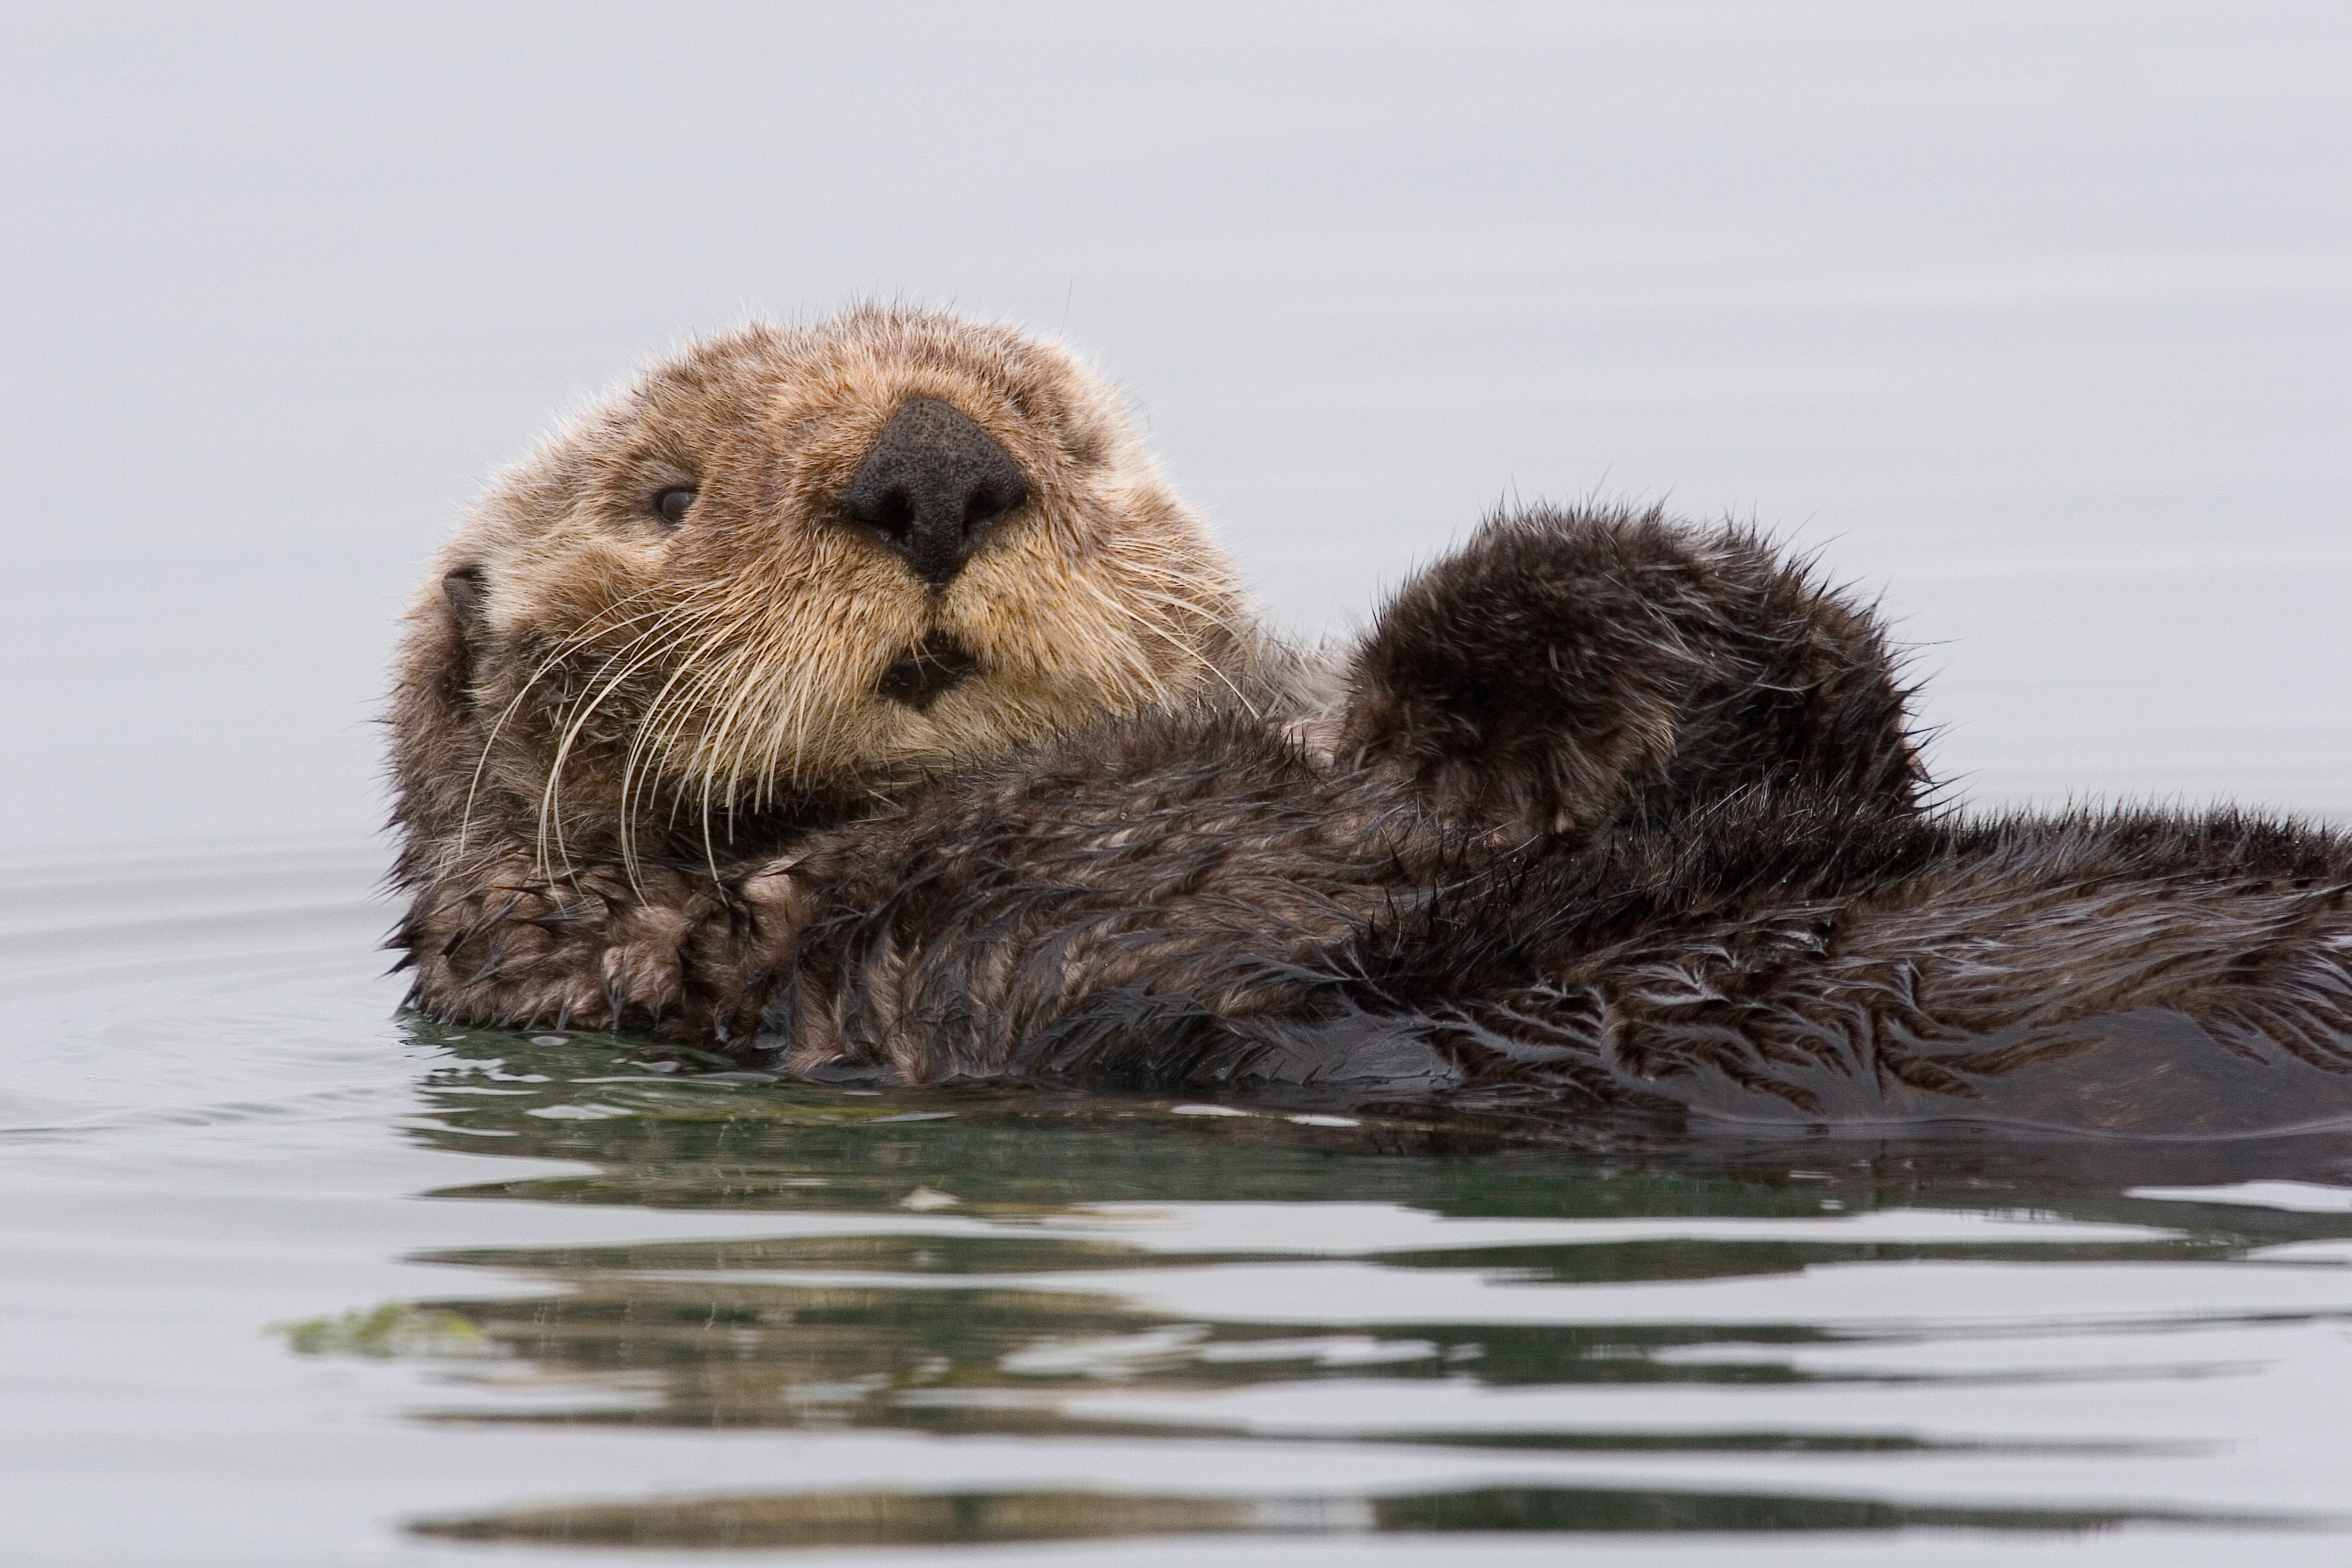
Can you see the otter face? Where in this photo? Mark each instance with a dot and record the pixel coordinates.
(799, 565)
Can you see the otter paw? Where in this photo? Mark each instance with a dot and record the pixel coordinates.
(591, 951)
(1518, 683)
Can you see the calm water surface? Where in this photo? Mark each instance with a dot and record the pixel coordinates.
(291, 1282)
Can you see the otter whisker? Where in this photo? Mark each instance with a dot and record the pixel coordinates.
(676, 623)
(711, 750)
(1186, 652)
(650, 727)
(661, 636)
(716, 757)
(562, 646)
(676, 707)
(549, 818)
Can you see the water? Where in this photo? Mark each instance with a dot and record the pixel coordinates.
(291, 1282)
(2033, 317)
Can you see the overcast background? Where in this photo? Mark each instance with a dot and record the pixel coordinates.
(2032, 315)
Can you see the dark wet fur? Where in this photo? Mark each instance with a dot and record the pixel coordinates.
(1575, 670)
(1782, 956)
(1618, 819)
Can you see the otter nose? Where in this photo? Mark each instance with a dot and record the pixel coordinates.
(932, 486)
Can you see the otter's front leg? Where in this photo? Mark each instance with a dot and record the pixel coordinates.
(667, 951)
(1566, 671)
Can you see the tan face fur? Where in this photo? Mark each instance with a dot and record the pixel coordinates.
(584, 674)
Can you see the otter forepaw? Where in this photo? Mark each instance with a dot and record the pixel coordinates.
(509, 950)
(593, 950)
(1519, 681)
(1568, 669)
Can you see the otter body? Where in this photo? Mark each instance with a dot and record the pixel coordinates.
(1752, 925)
(933, 741)
(1781, 961)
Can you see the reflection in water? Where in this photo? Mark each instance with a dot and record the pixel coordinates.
(1027, 1265)
(860, 1518)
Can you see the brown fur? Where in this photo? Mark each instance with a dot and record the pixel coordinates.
(1200, 862)
(1484, 897)
(1605, 815)
(602, 724)
(1175, 902)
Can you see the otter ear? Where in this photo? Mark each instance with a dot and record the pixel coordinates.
(464, 588)
(465, 591)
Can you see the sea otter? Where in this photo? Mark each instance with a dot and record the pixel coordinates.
(1605, 815)
(789, 572)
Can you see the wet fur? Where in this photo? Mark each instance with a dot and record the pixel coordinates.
(1604, 816)
(1739, 912)
(1787, 956)
(603, 725)
(1569, 671)
(1564, 680)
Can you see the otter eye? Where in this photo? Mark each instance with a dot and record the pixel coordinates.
(670, 505)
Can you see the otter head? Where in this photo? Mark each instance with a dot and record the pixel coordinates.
(795, 566)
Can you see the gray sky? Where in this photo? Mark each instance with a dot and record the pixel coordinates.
(2036, 315)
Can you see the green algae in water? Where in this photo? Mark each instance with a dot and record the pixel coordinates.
(393, 1329)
